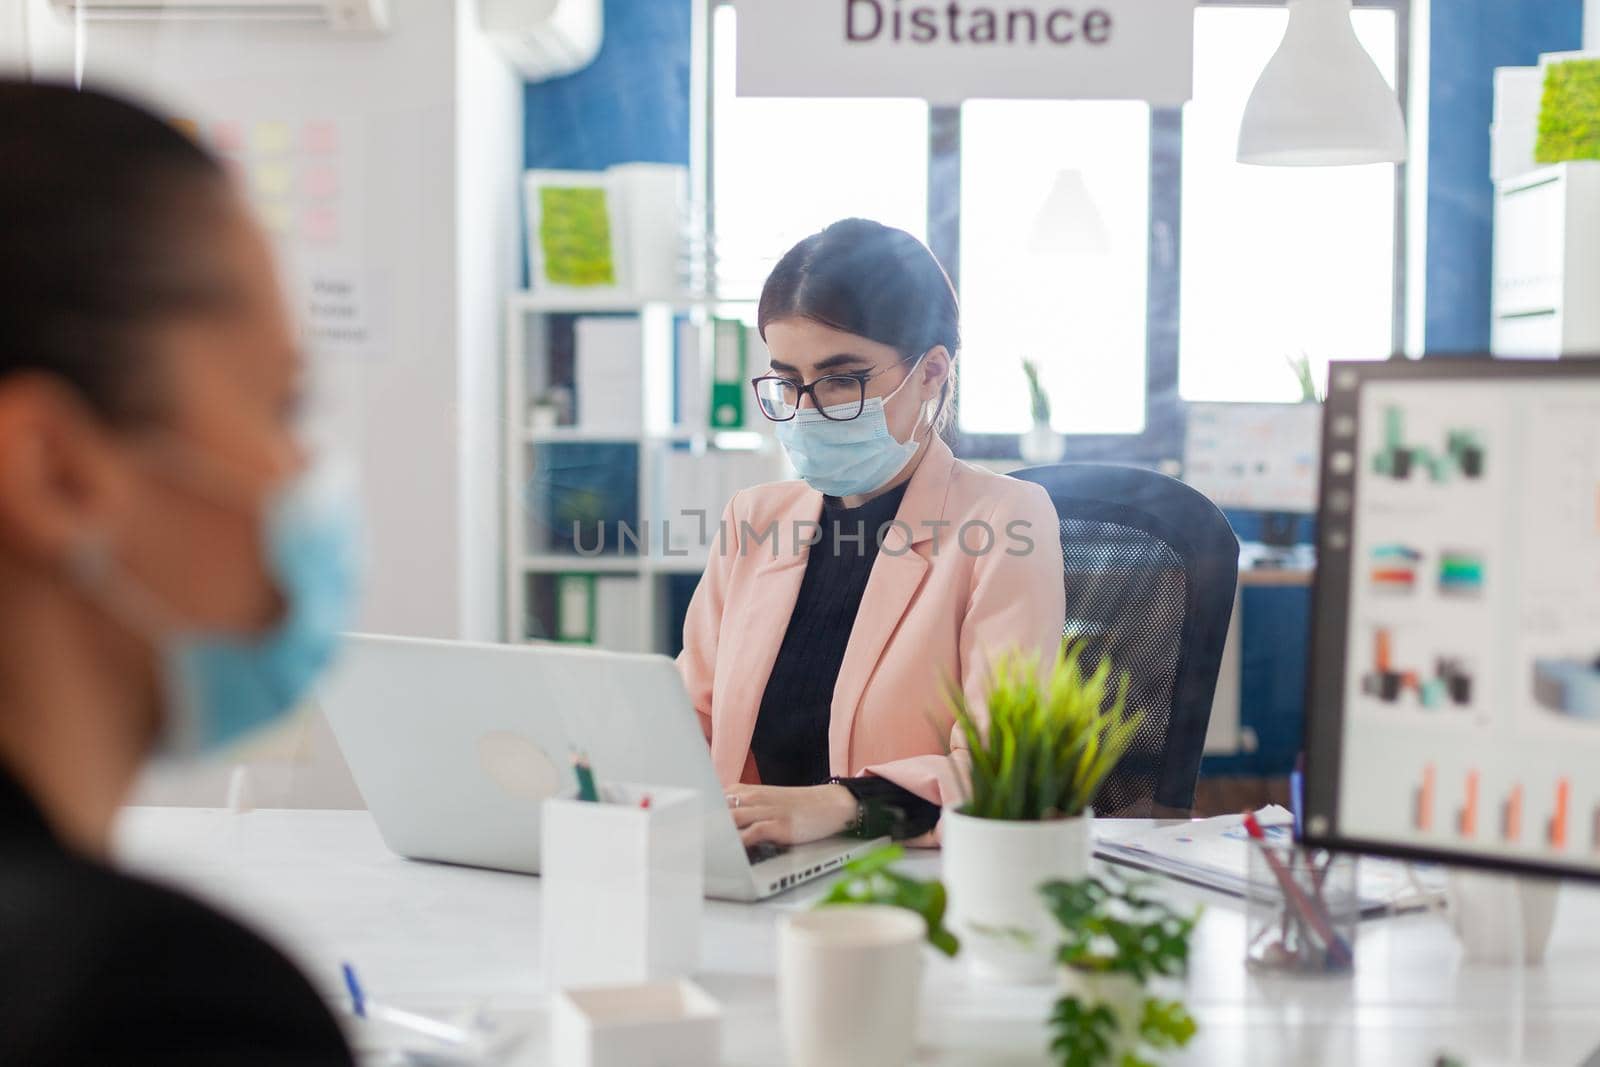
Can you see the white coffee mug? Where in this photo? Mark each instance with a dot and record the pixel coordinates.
(849, 981)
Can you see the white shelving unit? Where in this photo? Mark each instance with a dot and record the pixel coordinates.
(1547, 263)
(527, 374)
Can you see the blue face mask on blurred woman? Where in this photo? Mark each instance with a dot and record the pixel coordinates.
(220, 687)
(849, 458)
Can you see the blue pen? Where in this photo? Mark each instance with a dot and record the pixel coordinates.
(437, 1030)
(358, 1000)
(1297, 792)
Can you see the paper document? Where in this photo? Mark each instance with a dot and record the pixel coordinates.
(1215, 854)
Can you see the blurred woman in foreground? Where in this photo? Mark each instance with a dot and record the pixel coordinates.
(169, 578)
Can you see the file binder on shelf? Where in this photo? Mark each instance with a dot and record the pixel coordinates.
(729, 367)
(575, 608)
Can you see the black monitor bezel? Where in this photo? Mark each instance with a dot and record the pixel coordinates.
(1330, 601)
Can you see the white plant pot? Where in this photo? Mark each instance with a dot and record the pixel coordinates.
(993, 869)
(1119, 992)
(1042, 445)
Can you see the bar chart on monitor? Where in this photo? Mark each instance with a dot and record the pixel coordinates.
(1414, 671)
(1465, 809)
(1471, 654)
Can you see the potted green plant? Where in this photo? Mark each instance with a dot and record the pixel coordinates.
(1115, 943)
(1040, 748)
(1041, 444)
(1305, 378)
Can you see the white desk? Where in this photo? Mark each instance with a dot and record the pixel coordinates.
(441, 938)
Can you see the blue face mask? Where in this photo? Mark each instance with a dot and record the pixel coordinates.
(846, 458)
(221, 688)
(225, 688)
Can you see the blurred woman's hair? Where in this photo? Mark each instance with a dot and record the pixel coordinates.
(103, 213)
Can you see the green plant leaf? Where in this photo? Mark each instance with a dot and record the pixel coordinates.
(1145, 936)
(869, 880)
(1081, 1034)
(1166, 1024)
(1039, 400)
(1109, 926)
(1047, 739)
(879, 859)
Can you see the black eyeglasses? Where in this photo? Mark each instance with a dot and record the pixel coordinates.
(837, 397)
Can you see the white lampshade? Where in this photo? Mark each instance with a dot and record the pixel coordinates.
(1321, 102)
(1069, 223)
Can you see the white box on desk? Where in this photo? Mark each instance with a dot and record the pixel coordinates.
(665, 1024)
(623, 886)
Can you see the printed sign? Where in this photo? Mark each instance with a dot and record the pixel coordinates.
(947, 51)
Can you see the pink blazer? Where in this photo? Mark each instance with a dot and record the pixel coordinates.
(935, 609)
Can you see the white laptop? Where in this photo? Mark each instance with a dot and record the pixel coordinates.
(455, 745)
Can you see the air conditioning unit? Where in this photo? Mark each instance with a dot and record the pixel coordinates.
(345, 16)
(544, 38)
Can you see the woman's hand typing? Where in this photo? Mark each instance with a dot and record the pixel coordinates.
(790, 815)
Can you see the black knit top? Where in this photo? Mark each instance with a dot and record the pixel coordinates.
(790, 743)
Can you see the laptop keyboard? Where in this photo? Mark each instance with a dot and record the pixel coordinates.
(763, 851)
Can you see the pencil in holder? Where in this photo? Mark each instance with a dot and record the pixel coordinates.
(1303, 911)
(622, 888)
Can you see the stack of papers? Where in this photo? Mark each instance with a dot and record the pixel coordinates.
(1215, 854)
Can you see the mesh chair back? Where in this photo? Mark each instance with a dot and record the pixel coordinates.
(1151, 570)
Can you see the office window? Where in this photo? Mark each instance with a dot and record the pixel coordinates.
(1055, 210)
(1202, 280)
(785, 168)
(1276, 262)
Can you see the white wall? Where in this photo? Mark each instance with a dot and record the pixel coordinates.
(489, 163)
(13, 39)
(432, 146)
(1418, 106)
(1591, 25)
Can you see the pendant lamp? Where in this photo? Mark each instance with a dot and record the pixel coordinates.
(1069, 222)
(1321, 102)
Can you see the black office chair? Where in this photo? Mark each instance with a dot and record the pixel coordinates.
(1151, 569)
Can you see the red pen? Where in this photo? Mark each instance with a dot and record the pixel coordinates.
(1308, 910)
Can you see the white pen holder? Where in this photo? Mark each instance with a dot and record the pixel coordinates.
(1501, 918)
(622, 887)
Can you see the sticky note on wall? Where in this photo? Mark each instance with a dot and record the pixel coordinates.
(319, 181)
(320, 138)
(271, 138)
(272, 180)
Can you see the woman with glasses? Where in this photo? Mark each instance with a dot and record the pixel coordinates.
(837, 609)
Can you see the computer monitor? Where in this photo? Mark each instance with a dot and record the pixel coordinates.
(1454, 700)
(1261, 457)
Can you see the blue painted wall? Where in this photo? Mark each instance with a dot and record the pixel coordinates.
(1470, 39)
(631, 105)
